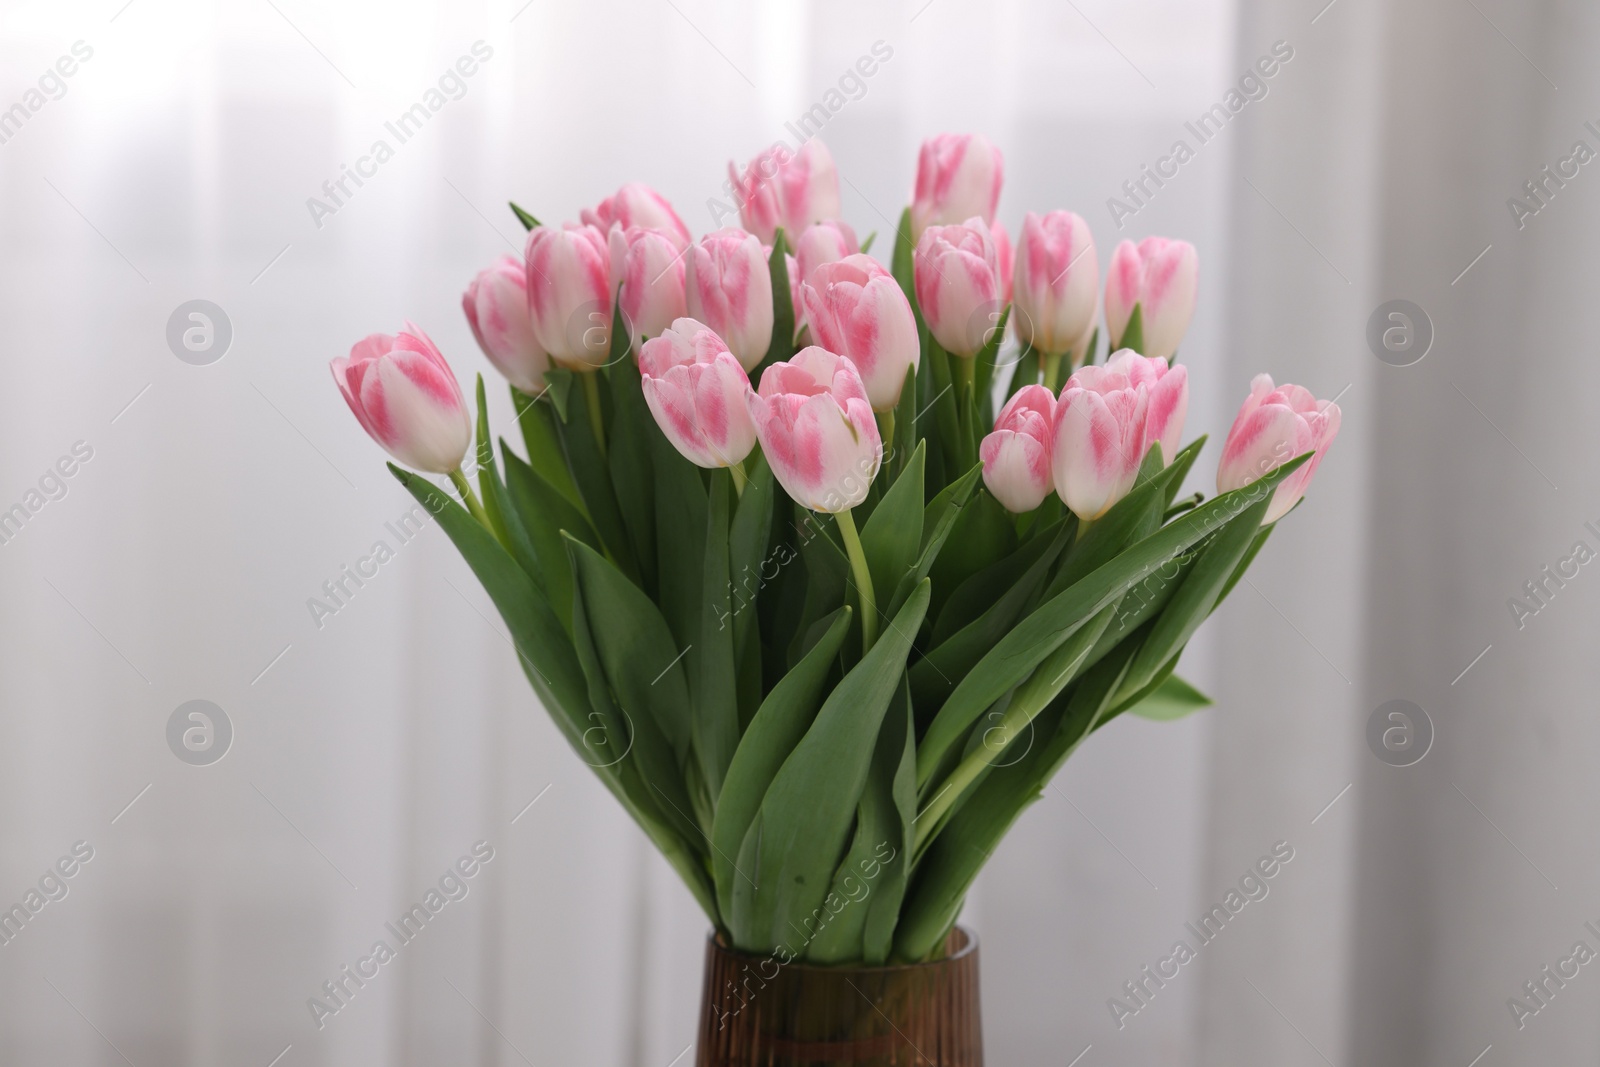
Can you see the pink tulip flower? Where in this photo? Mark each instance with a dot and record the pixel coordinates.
(958, 176)
(1168, 389)
(788, 189)
(1097, 441)
(1016, 456)
(856, 308)
(957, 281)
(816, 430)
(824, 242)
(1274, 425)
(1161, 277)
(1057, 282)
(496, 304)
(569, 294)
(696, 390)
(636, 204)
(730, 290)
(650, 276)
(404, 395)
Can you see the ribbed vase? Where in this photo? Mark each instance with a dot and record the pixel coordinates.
(756, 1013)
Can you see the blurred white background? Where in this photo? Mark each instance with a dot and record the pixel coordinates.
(372, 751)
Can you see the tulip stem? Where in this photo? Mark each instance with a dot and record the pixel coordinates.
(740, 478)
(591, 394)
(886, 428)
(470, 499)
(863, 577)
(1052, 367)
(966, 407)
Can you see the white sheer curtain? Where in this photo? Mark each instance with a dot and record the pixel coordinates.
(374, 747)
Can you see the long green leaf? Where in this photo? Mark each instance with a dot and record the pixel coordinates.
(804, 822)
(894, 533)
(538, 419)
(716, 706)
(938, 519)
(777, 728)
(628, 455)
(838, 934)
(1172, 699)
(545, 513)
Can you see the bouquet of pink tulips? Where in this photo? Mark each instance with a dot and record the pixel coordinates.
(826, 637)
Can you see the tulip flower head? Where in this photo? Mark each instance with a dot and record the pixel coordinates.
(788, 189)
(1274, 425)
(1168, 389)
(958, 176)
(730, 290)
(405, 396)
(650, 277)
(1057, 282)
(1160, 277)
(817, 431)
(696, 390)
(496, 305)
(637, 205)
(1016, 455)
(1098, 438)
(857, 309)
(569, 294)
(957, 282)
(824, 242)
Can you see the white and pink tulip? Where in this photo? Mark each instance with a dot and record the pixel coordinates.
(1168, 390)
(958, 176)
(730, 290)
(569, 294)
(1016, 455)
(637, 205)
(1057, 282)
(1097, 440)
(696, 390)
(1161, 277)
(856, 308)
(405, 396)
(1274, 425)
(650, 276)
(817, 431)
(957, 282)
(496, 305)
(789, 189)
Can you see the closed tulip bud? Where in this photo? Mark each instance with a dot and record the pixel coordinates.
(1160, 276)
(569, 294)
(788, 189)
(1016, 456)
(1002, 259)
(857, 309)
(696, 390)
(1057, 282)
(1274, 425)
(816, 430)
(1168, 389)
(650, 276)
(406, 398)
(1097, 442)
(824, 242)
(730, 290)
(957, 281)
(496, 304)
(958, 176)
(636, 204)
